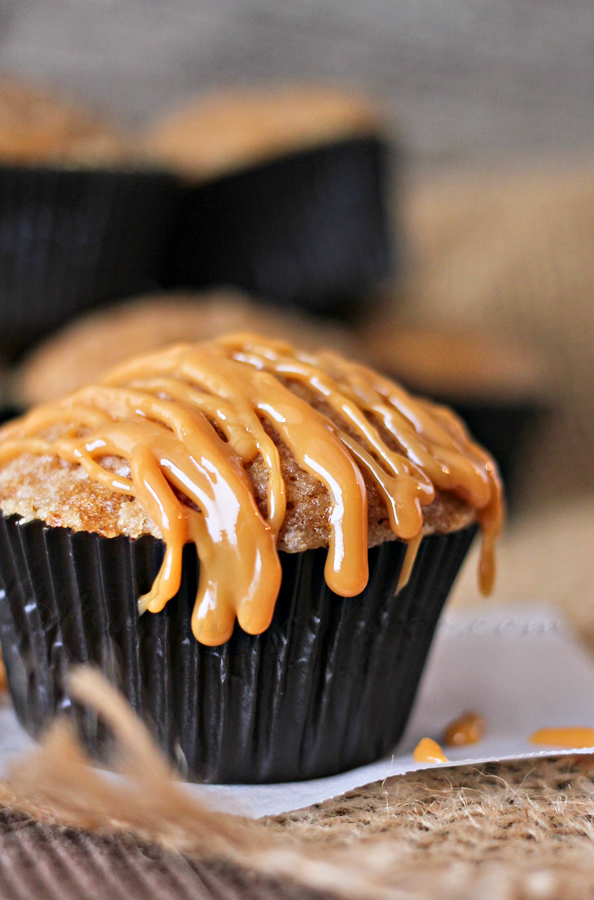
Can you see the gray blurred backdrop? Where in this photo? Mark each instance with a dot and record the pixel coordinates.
(465, 78)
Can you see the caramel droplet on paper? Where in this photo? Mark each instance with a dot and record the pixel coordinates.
(429, 751)
(574, 737)
(469, 728)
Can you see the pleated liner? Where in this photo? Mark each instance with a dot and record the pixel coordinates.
(73, 238)
(310, 229)
(327, 687)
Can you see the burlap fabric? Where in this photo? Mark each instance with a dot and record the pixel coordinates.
(512, 253)
(505, 832)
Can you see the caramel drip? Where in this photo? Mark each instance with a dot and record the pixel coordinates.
(469, 728)
(409, 561)
(439, 452)
(575, 737)
(429, 751)
(189, 419)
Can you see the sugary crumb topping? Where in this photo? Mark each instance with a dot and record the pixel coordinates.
(62, 495)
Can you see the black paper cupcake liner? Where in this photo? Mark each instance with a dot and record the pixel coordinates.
(329, 686)
(8, 412)
(73, 238)
(310, 229)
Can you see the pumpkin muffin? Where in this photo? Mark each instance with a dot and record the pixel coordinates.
(287, 194)
(81, 222)
(221, 132)
(38, 127)
(85, 348)
(287, 525)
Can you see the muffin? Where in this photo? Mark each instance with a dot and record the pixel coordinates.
(38, 127)
(85, 348)
(78, 225)
(288, 527)
(286, 198)
(223, 132)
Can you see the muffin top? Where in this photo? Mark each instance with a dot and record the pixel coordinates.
(37, 128)
(244, 446)
(220, 132)
(85, 348)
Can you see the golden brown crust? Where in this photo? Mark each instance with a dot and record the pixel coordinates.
(36, 127)
(220, 132)
(62, 495)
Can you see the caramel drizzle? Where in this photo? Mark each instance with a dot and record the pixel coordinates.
(576, 737)
(429, 751)
(188, 419)
(469, 728)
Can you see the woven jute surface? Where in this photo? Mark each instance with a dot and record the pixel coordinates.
(511, 253)
(516, 831)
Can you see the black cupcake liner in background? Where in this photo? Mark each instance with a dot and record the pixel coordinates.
(329, 686)
(8, 412)
(310, 229)
(73, 238)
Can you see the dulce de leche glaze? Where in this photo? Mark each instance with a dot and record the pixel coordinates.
(429, 751)
(469, 728)
(188, 419)
(576, 737)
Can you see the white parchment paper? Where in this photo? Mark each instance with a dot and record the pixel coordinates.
(519, 666)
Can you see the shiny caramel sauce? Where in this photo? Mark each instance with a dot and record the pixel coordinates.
(576, 737)
(469, 728)
(429, 751)
(189, 418)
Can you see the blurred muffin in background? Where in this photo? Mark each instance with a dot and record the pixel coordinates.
(78, 225)
(103, 338)
(287, 194)
(455, 363)
(39, 127)
(221, 132)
